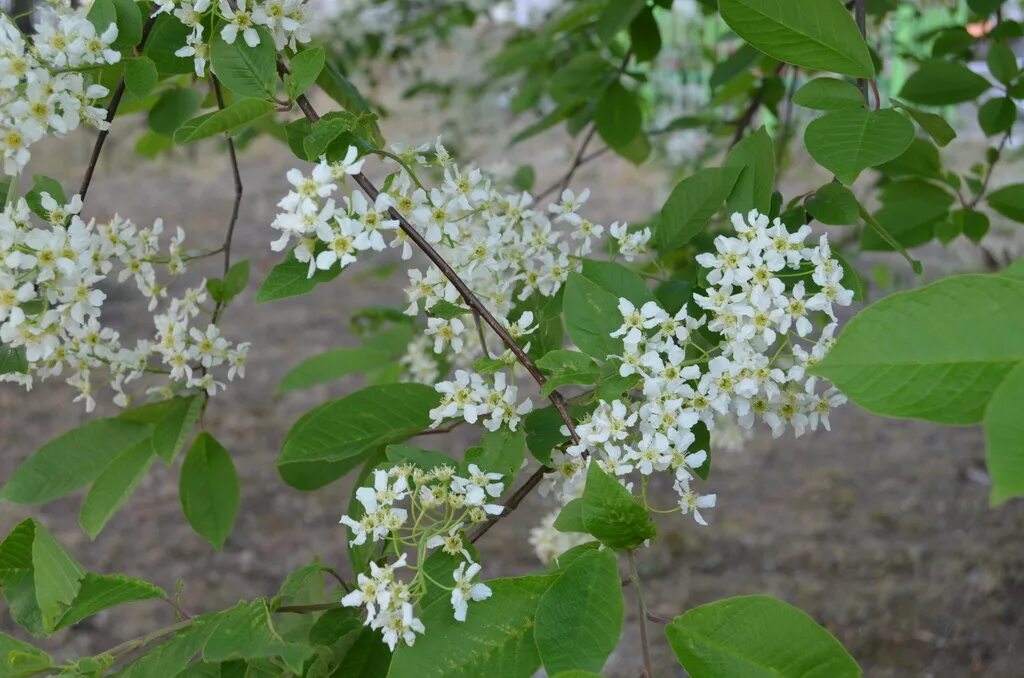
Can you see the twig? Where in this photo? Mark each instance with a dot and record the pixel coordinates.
(743, 122)
(237, 178)
(512, 503)
(442, 429)
(480, 332)
(337, 577)
(641, 614)
(115, 102)
(860, 15)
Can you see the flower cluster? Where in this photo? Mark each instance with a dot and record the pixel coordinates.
(42, 92)
(469, 397)
(742, 359)
(284, 20)
(51, 299)
(441, 503)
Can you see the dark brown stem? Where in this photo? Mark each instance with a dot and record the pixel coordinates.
(860, 15)
(512, 503)
(337, 577)
(115, 101)
(747, 117)
(229, 236)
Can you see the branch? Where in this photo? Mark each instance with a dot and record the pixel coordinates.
(743, 122)
(237, 177)
(115, 101)
(512, 503)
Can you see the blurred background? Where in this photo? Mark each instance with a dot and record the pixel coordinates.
(880, 529)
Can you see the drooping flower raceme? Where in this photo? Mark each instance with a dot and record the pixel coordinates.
(52, 278)
(408, 507)
(740, 351)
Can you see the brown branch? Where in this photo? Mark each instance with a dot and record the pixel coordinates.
(512, 503)
(115, 102)
(237, 178)
(747, 117)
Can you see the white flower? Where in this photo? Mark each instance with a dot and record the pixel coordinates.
(466, 590)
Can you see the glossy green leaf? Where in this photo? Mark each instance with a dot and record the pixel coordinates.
(209, 490)
(754, 156)
(166, 37)
(1002, 62)
(331, 365)
(1008, 201)
(814, 34)
(232, 118)
(756, 636)
(935, 353)
(291, 278)
(618, 116)
(129, 25)
(98, 592)
(330, 440)
(849, 141)
(246, 71)
(938, 83)
(612, 514)
(620, 280)
(997, 115)
(834, 204)
(305, 69)
(691, 205)
(829, 94)
(495, 640)
(12, 360)
(935, 125)
(591, 315)
(113, 487)
(579, 617)
(140, 76)
(172, 109)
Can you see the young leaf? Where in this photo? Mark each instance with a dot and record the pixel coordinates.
(140, 76)
(236, 279)
(849, 141)
(754, 156)
(612, 514)
(209, 490)
(935, 125)
(72, 460)
(166, 37)
(13, 360)
(305, 68)
(645, 36)
(1008, 201)
(939, 83)
(326, 130)
(495, 640)
(617, 279)
(129, 25)
(692, 203)
(246, 71)
(99, 592)
(591, 315)
(173, 108)
(835, 205)
(57, 577)
(226, 121)
(579, 617)
(756, 635)
(997, 115)
(330, 440)
(19, 659)
(1002, 62)
(1004, 437)
(828, 94)
(331, 365)
(815, 34)
(935, 353)
(113, 487)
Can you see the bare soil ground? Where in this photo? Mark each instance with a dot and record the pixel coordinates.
(881, 530)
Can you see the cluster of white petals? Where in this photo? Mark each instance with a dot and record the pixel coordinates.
(285, 20)
(426, 510)
(744, 358)
(42, 91)
(52, 281)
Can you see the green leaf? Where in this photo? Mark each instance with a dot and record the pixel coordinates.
(618, 116)
(246, 71)
(305, 69)
(170, 658)
(246, 632)
(616, 16)
(910, 209)
(140, 76)
(579, 617)
(44, 184)
(101, 14)
(754, 156)
(921, 159)
(495, 640)
(543, 429)
(338, 87)
(209, 490)
(617, 279)
(500, 451)
(129, 25)
(57, 577)
(591, 315)
(113, 487)
(524, 177)
(692, 203)
(849, 141)
(167, 36)
(20, 660)
(570, 518)
(835, 205)
(938, 83)
(12, 360)
(331, 365)
(1008, 201)
(612, 514)
(291, 278)
(645, 36)
(1002, 62)
(828, 94)
(1004, 436)
(579, 79)
(997, 115)
(935, 125)
(172, 420)
(326, 130)
(935, 353)
(756, 636)
(815, 34)
(233, 117)
(330, 440)
(71, 460)
(424, 459)
(567, 367)
(236, 279)
(737, 63)
(447, 310)
(173, 108)
(99, 592)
